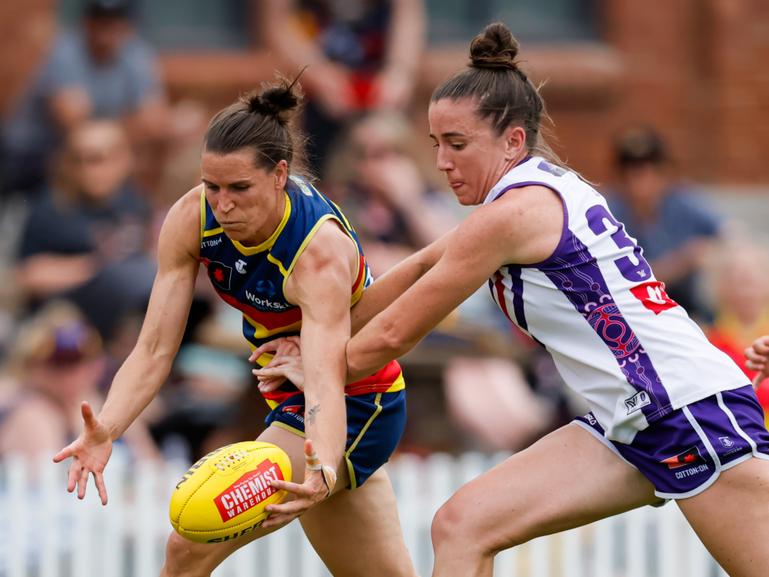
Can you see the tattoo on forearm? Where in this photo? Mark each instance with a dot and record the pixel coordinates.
(312, 413)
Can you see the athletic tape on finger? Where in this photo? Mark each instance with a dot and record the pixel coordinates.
(328, 473)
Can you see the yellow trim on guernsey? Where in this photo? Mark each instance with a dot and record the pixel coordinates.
(355, 297)
(344, 218)
(202, 212)
(213, 232)
(398, 385)
(286, 272)
(262, 332)
(250, 250)
(303, 246)
(278, 264)
(203, 232)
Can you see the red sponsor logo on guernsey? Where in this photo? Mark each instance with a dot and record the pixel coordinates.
(249, 490)
(653, 296)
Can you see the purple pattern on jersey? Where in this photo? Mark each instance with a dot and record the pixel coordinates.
(517, 290)
(497, 287)
(575, 272)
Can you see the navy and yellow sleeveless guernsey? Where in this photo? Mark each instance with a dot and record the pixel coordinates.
(252, 279)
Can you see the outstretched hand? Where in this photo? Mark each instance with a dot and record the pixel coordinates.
(90, 453)
(319, 481)
(757, 356)
(286, 364)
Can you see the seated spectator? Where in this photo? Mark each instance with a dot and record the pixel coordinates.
(377, 175)
(85, 238)
(360, 57)
(100, 70)
(57, 361)
(669, 219)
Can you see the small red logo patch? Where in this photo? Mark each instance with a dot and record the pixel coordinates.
(653, 296)
(249, 490)
(689, 457)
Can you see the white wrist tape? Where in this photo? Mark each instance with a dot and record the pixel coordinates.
(328, 472)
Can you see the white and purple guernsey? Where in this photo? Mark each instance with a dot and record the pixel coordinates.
(614, 334)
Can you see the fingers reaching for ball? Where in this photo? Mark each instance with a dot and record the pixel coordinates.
(319, 481)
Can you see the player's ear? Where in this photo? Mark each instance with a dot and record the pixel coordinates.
(281, 174)
(515, 141)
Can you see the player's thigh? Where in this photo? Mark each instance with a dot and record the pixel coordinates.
(358, 532)
(566, 479)
(184, 557)
(732, 518)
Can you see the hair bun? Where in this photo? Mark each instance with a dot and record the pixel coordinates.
(277, 101)
(495, 47)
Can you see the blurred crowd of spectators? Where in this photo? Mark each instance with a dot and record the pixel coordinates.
(93, 154)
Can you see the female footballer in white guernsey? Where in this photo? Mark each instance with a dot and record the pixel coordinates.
(284, 255)
(671, 417)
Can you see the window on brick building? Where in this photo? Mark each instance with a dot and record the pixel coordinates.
(224, 25)
(185, 24)
(453, 21)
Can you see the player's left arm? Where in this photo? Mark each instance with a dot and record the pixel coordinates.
(321, 284)
(396, 281)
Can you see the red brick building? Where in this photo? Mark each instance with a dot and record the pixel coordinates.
(694, 68)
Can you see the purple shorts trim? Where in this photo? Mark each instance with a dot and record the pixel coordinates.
(683, 453)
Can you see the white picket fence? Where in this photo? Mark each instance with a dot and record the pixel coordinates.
(45, 532)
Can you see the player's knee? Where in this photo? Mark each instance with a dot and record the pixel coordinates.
(446, 519)
(184, 558)
(453, 529)
(456, 528)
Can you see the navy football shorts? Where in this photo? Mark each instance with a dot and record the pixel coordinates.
(375, 423)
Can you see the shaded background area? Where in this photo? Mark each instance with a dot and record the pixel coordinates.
(694, 67)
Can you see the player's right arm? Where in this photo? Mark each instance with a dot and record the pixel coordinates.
(146, 368)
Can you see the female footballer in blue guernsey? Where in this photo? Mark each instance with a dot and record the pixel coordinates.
(671, 416)
(280, 252)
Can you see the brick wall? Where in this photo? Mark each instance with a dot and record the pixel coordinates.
(26, 29)
(697, 69)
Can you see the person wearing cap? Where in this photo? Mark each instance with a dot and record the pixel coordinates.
(56, 361)
(669, 218)
(101, 69)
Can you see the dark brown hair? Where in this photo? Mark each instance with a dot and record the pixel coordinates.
(504, 93)
(264, 121)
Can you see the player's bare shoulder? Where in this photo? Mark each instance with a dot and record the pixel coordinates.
(525, 224)
(330, 245)
(180, 234)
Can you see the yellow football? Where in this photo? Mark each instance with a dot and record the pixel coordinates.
(223, 495)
